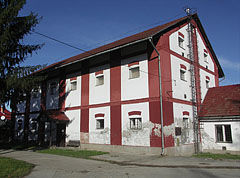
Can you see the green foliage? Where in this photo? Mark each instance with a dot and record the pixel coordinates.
(217, 156)
(73, 153)
(13, 28)
(14, 168)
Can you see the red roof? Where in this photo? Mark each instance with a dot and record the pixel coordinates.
(6, 113)
(221, 101)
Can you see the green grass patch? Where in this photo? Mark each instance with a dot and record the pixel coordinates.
(86, 154)
(11, 168)
(217, 156)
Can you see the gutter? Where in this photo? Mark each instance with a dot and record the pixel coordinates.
(219, 118)
(160, 90)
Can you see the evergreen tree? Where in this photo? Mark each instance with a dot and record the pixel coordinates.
(15, 80)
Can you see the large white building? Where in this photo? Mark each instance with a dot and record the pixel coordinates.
(109, 97)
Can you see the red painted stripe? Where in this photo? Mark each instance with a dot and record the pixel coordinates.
(99, 115)
(183, 67)
(133, 63)
(84, 126)
(99, 72)
(134, 113)
(85, 90)
(185, 113)
(180, 34)
(115, 101)
(73, 78)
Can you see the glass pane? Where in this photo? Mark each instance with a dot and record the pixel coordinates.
(134, 72)
(228, 134)
(219, 133)
(100, 80)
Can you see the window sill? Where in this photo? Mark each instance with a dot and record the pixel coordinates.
(225, 142)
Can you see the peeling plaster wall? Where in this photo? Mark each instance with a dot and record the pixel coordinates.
(209, 136)
(100, 136)
(73, 127)
(139, 137)
(187, 134)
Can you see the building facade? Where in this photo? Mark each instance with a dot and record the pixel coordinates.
(110, 97)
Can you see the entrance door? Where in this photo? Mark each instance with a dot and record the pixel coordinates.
(61, 134)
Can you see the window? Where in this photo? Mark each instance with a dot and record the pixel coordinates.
(182, 74)
(207, 84)
(73, 85)
(35, 92)
(53, 88)
(99, 80)
(205, 54)
(185, 122)
(223, 133)
(135, 123)
(100, 123)
(134, 72)
(180, 42)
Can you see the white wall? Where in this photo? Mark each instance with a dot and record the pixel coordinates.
(202, 62)
(203, 75)
(187, 133)
(99, 136)
(174, 41)
(180, 87)
(135, 88)
(136, 137)
(209, 136)
(52, 100)
(101, 93)
(73, 98)
(73, 127)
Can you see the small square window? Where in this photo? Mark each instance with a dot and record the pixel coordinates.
(182, 74)
(223, 133)
(134, 72)
(136, 123)
(207, 84)
(53, 88)
(73, 85)
(99, 80)
(100, 123)
(180, 42)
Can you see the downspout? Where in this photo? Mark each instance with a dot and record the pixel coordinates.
(160, 90)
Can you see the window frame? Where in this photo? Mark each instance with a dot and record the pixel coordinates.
(135, 123)
(100, 123)
(223, 134)
(97, 79)
(71, 84)
(181, 42)
(130, 71)
(207, 82)
(183, 73)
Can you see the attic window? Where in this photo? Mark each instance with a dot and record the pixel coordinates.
(99, 79)
(183, 72)
(134, 72)
(207, 82)
(180, 40)
(73, 85)
(205, 54)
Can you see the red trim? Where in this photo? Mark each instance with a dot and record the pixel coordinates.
(134, 113)
(185, 113)
(205, 51)
(73, 78)
(115, 100)
(99, 72)
(133, 63)
(180, 34)
(99, 115)
(208, 78)
(183, 67)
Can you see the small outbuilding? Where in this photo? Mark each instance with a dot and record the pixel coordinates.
(220, 119)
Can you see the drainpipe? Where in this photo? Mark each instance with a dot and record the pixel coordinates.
(160, 90)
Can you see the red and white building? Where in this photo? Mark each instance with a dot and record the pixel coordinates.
(109, 97)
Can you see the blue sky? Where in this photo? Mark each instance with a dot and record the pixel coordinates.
(92, 23)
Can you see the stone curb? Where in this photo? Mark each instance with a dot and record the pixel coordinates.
(124, 163)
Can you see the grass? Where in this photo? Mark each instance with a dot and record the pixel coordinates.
(11, 168)
(86, 154)
(217, 156)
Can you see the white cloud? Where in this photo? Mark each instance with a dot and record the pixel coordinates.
(227, 64)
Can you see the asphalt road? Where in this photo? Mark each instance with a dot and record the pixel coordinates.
(52, 166)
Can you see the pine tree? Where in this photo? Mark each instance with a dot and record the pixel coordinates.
(16, 80)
